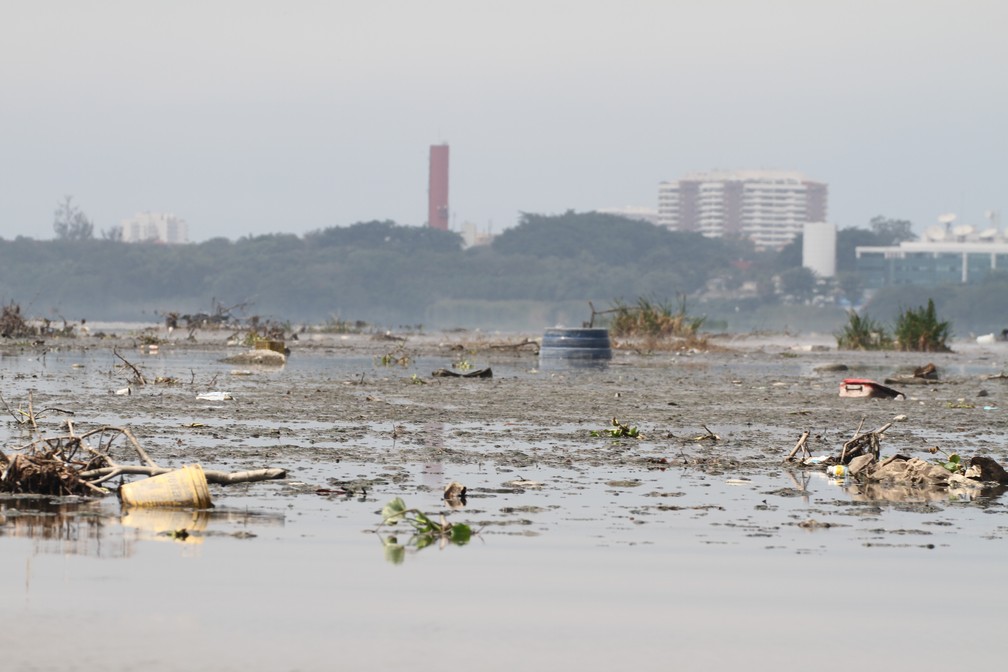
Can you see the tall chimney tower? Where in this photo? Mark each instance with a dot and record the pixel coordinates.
(437, 191)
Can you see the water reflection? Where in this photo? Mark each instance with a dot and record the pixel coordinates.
(99, 528)
(68, 526)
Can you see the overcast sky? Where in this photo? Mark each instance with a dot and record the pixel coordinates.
(252, 117)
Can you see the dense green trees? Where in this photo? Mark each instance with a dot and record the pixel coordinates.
(389, 274)
(376, 271)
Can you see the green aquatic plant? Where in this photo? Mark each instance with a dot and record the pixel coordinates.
(396, 358)
(619, 431)
(425, 530)
(863, 333)
(920, 330)
(655, 319)
(951, 461)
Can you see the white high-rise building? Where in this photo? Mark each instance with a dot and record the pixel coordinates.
(155, 227)
(768, 207)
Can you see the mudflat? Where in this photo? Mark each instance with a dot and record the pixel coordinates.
(594, 544)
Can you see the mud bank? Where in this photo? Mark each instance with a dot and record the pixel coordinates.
(592, 549)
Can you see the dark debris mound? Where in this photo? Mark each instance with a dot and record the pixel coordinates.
(12, 324)
(42, 475)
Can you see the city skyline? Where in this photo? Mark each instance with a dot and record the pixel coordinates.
(249, 118)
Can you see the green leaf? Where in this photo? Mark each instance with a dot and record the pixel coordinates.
(393, 511)
(425, 523)
(460, 534)
(394, 551)
(424, 540)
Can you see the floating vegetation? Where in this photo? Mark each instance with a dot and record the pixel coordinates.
(395, 358)
(425, 531)
(952, 462)
(619, 431)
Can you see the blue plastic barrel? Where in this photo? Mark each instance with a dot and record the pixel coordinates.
(575, 347)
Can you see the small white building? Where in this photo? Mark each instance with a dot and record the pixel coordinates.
(155, 227)
(819, 248)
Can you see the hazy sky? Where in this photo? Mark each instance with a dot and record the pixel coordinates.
(252, 117)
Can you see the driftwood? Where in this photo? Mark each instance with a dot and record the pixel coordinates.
(866, 443)
(863, 444)
(801, 445)
(526, 343)
(68, 464)
(139, 379)
(97, 476)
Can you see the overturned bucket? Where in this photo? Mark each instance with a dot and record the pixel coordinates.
(182, 487)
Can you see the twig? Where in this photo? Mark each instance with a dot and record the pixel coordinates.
(871, 438)
(31, 413)
(799, 446)
(144, 457)
(139, 376)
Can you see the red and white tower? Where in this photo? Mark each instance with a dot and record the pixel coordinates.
(437, 191)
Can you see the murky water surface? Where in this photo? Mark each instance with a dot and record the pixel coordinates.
(652, 555)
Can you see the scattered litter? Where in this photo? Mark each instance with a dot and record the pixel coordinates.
(865, 388)
(922, 375)
(448, 373)
(184, 487)
(959, 403)
(260, 356)
(813, 524)
(455, 492)
(523, 483)
(215, 396)
(123, 391)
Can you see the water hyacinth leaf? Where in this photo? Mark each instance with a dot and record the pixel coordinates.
(394, 551)
(460, 534)
(424, 540)
(393, 511)
(424, 523)
(954, 463)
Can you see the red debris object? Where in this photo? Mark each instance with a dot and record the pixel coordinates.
(864, 387)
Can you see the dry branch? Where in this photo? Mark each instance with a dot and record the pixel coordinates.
(515, 346)
(869, 442)
(47, 465)
(136, 372)
(802, 440)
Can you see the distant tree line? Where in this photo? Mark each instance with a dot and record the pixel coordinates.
(385, 273)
